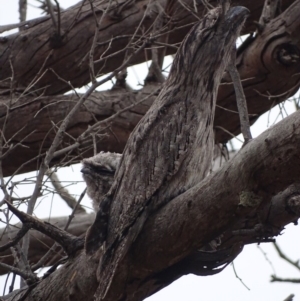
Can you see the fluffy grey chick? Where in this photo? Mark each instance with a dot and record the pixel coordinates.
(98, 173)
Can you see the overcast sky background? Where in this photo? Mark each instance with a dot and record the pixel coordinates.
(251, 266)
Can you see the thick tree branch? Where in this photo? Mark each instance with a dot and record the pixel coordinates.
(67, 54)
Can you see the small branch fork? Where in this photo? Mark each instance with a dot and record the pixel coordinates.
(51, 251)
(70, 243)
(295, 264)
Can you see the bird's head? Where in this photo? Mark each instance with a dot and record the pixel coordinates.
(98, 173)
(208, 44)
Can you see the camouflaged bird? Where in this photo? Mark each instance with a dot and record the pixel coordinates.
(98, 173)
(171, 148)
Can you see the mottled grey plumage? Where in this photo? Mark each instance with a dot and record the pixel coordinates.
(98, 173)
(171, 148)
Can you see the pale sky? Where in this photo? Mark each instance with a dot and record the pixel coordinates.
(251, 266)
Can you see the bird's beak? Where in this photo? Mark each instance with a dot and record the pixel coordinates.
(237, 14)
(85, 170)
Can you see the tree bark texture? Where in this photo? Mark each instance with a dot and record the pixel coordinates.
(268, 65)
(270, 166)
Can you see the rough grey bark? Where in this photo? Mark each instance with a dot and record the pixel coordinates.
(272, 167)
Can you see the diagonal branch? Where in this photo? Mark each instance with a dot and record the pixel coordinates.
(286, 258)
(70, 243)
(18, 237)
(63, 192)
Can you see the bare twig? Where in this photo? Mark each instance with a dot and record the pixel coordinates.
(27, 276)
(207, 5)
(63, 192)
(4, 28)
(50, 252)
(11, 287)
(17, 238)
(58, 18)
(189, 9)
(92, 50)
(286, 258)
(267, 258)
(239, 278)
(37, 77)
(74, 210)
(240, 98)
(289, 298)
(290, 280)
(235, 112)
(229, 133)
(69, 242)
(22, 10)
(19, 258)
